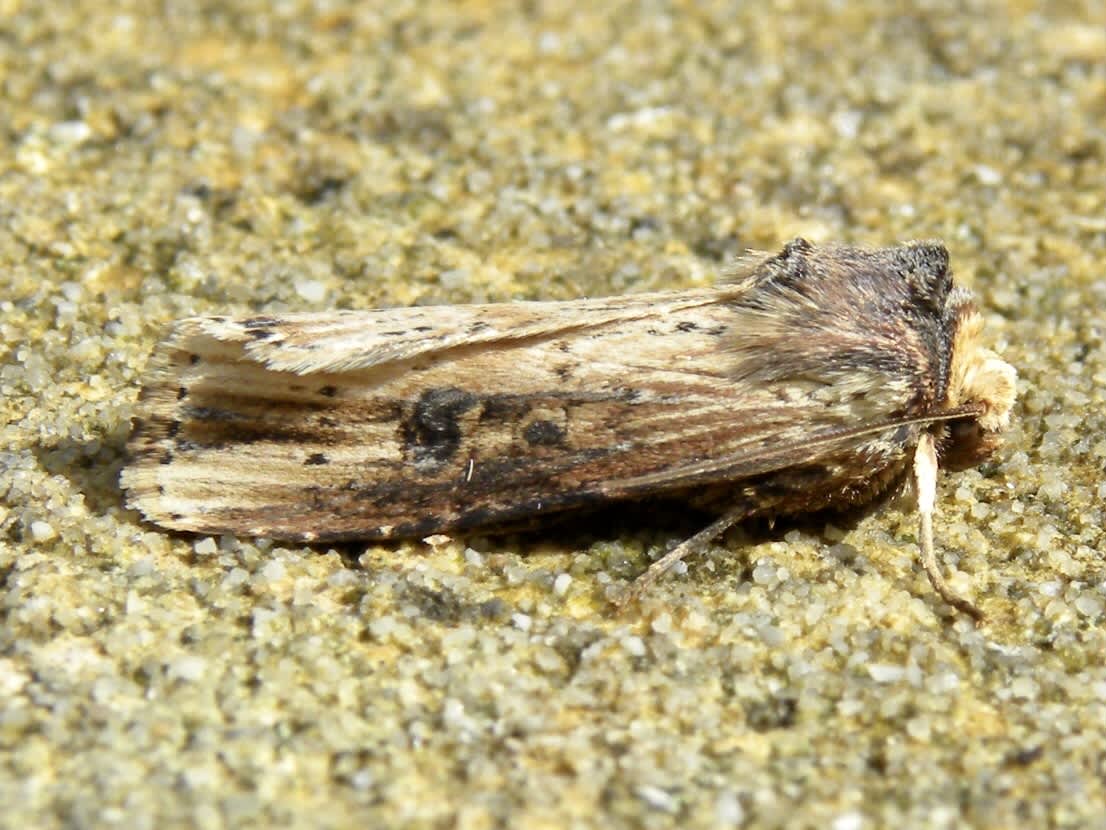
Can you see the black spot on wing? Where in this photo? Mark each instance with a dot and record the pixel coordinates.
(316, 459)
(432, 433)
(544, 434)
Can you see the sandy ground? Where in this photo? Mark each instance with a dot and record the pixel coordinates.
(164, 159)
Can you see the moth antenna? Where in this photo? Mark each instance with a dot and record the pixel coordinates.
(925, 476)
(692, 545)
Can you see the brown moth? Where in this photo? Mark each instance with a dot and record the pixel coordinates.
(816, 378)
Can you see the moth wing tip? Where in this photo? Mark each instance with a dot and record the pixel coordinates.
(144, 492)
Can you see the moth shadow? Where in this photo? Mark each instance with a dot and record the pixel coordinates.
(91, 465)
(657, 524)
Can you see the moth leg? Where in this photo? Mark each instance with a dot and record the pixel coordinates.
(925, 474)
(690, 546)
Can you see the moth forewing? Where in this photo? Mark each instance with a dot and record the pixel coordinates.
(446, 438)
(347, 340)
(807, 383)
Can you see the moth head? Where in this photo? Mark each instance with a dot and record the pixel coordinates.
(981, 383)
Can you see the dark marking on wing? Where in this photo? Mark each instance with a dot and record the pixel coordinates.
(260, 323)
(328, 391)
(182, 393)
(231, 419)
(504, 407)
(218, 433)
(210, 414)
(421, 527)
(432, 433)
(544, 434)
(316, 458)
(260, 328)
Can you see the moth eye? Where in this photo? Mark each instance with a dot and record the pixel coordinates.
(966, 444)
(965, 431)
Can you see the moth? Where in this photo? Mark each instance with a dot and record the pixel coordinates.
(821, 377)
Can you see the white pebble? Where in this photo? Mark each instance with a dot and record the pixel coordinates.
(848, 821)
(42, 531)
(728, 810)
(764, 573)
(1088, 605)
(657, 798)
(70, 132)
(1024, 688)
(454, 278)
(987, 175)
(453, 713)
(474, 557)
(313, 291)
(274, 571)
(561, 583)
(847, 123)
(662, 624)
(383, 627)
(885, 673)
(919, 728)
(188, 668)
(205, 546)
